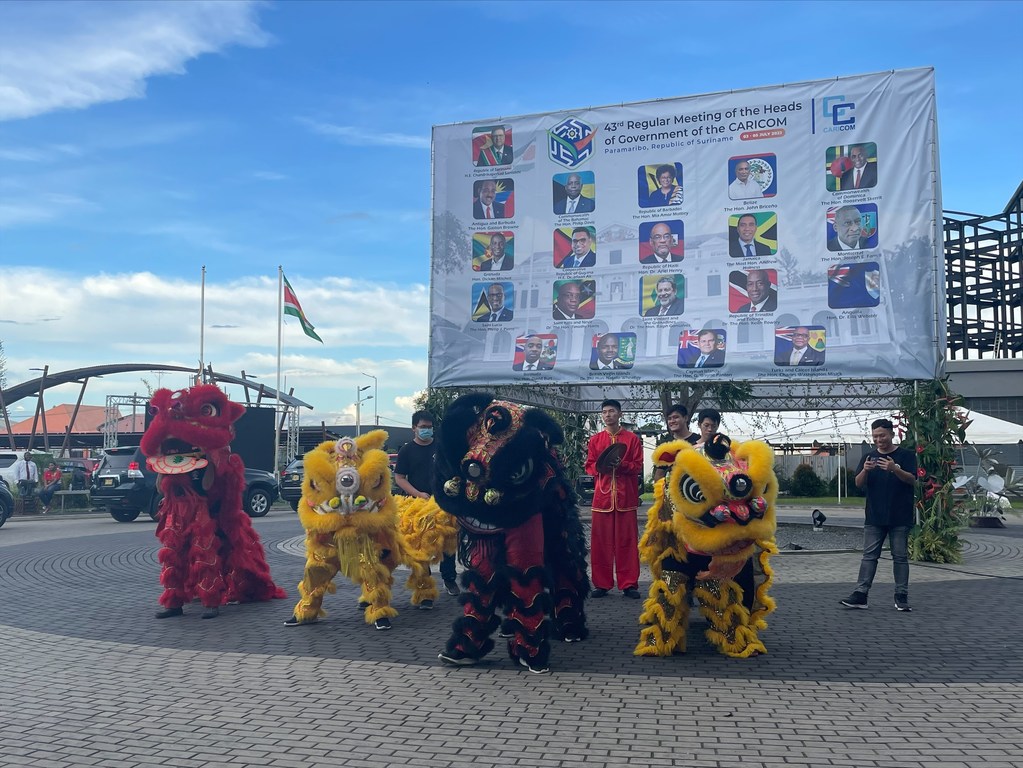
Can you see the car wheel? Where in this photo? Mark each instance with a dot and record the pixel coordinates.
(257, 502)
(294, 504)
(5, 512)
(154, 506)
(125, 515)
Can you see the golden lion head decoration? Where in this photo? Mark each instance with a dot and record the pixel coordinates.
(721, 501)
(347, 485)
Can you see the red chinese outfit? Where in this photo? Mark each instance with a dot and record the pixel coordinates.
(614, 531)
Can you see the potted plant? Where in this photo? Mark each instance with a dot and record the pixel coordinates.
(989, 489)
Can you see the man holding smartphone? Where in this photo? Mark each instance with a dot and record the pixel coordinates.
(888, 473)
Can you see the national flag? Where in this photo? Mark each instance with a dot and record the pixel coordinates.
(482, 306)
(688, 339)
(294, 308)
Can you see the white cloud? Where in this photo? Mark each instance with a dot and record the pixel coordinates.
(360, 137)
(50, 318)
(56, 56)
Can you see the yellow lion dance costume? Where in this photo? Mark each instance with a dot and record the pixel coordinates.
(351, 523)
(427, 528)
(712, 524)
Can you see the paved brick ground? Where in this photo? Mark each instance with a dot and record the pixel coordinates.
(89, 678)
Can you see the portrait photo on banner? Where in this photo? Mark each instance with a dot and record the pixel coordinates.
(799, 345)
(493, 251)
(752, 234)
(493, 199)
(660, 185)
(493, 302)
(574, 299)
(751, 177)
(661, 242)
(492, 146)
(574, 192)
(852, 227)
(613, 351)
(575, 247)
(753, 290)
(850, 167)
(535, 352)
(702, 349)
(854, 285)
(662, 295)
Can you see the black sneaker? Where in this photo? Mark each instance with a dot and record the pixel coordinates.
(531, 668)
(363, 605)
(451, 587)
(902, 603)
(426, 605)
(631, 593)
(598, 593)
(166, 613)
(294, 622)
(382, 624)
(856, 600)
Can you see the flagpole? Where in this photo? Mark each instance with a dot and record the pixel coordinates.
(277, 410)
(202, 326)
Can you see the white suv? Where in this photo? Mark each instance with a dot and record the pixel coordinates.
(7, 459)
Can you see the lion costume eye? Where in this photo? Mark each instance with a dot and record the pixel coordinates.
(522, 473)
(691, 490)
(209, 409)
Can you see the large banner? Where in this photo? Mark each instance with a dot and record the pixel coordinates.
(778, 233)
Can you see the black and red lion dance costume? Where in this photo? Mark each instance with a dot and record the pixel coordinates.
(210, 550)
(520, 539)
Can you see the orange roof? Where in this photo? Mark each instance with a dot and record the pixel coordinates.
(90, 420)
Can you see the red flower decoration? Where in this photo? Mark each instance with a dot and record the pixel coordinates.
(921, 473)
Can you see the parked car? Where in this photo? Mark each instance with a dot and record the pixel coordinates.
(6, 504)
(7, 459)
(291, 483)
(584, 485)
(127, 487)
(68, 466)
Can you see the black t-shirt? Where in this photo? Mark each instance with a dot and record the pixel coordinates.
(415, 461)
(889, 500)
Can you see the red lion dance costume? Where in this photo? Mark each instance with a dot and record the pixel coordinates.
(520, 539)
(210, 551)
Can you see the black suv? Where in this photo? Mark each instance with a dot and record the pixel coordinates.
(127, 487)
(291, 483)
(6, 503)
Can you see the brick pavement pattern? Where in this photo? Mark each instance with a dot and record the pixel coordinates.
(89, 678)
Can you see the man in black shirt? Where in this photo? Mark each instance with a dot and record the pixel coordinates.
(889, 474)
(413, 473)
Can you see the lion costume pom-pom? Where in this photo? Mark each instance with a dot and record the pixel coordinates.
(711, 527)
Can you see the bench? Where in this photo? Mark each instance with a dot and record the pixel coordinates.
(64, 494)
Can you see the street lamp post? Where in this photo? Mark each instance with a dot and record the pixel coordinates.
(376, 399)
(359, 400)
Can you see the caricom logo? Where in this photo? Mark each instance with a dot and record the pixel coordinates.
(838, 114)
(570, 142)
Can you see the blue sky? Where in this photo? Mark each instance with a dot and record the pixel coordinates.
(140, 141)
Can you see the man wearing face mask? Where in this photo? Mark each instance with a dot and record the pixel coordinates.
(413, 473)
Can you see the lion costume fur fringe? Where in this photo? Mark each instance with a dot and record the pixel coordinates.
(713, 516)
(351, 523)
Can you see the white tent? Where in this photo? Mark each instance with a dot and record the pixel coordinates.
(850, 427)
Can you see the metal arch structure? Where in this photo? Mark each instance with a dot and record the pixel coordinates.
(37, 387)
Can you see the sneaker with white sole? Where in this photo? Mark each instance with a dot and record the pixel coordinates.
(856, 600)
(456, 659)
(531, 668)
(902, 603)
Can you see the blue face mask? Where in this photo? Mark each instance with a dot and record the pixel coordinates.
(426, 433)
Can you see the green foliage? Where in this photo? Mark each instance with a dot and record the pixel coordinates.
(932, 425)
(848, 485)
(805, 482)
